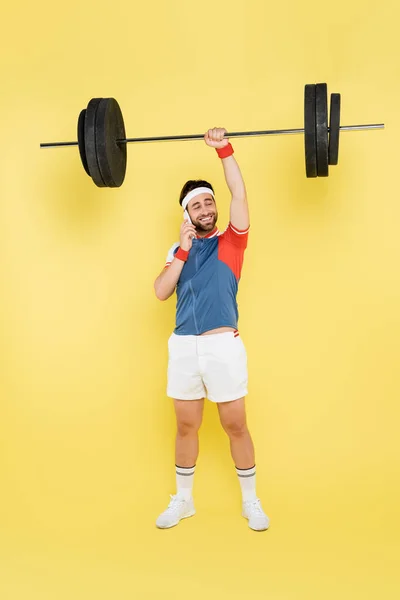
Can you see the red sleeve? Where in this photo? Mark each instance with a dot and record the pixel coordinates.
(237, 237)
(231, 246)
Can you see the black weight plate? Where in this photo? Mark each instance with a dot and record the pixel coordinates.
(334, 128)
(310, 141)
(321, 111)
(81, 139)
(90, 142)
(111, 156)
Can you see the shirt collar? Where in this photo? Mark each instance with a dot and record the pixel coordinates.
(212, 233)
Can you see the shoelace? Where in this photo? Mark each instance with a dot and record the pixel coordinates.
(255, 507)
(174, 503)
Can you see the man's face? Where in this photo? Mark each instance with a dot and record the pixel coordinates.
(203, 213)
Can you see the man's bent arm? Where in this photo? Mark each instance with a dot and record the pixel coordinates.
(165, 283)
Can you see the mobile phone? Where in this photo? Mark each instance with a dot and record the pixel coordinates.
(186, 216)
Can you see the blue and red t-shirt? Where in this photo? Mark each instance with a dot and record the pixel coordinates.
(208, 285)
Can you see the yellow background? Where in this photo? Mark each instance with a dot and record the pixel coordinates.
(86, 431)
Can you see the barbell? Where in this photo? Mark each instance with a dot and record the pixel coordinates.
(102, 140)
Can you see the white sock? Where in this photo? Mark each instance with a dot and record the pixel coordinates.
(247, 480)
(184, 481)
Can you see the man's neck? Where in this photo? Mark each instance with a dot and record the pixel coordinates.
(204, 234)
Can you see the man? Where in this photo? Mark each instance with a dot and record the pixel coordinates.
(207, 357)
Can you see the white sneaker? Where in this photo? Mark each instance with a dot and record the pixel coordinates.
(252, 511)
(178, 509)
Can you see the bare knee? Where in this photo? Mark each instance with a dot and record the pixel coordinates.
(235, 429)
(189, 416)
(187, 428)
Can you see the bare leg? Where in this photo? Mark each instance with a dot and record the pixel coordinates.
(189, 416)
(233, 420)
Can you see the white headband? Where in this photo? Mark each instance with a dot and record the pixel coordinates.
(195, 192)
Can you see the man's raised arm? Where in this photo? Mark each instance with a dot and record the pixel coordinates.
(239, 210)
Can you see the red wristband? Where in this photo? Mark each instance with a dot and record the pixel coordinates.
(182, 254)
(226, 151)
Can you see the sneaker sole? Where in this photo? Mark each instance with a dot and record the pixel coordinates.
(175, 523)
(252, 528)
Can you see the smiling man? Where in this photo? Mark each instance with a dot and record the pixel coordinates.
(206, 355)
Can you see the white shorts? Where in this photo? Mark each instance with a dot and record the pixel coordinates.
(210, 366)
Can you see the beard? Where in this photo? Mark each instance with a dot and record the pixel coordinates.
(206, 227)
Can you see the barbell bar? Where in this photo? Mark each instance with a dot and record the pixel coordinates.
(102, 140)
(200, 136)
